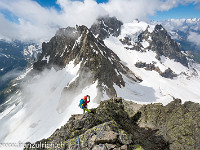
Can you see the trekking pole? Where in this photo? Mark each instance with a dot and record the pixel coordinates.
(79, 147)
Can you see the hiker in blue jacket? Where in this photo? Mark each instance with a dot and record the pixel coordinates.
(84, 102)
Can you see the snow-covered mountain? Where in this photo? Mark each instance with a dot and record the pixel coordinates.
(184, 31)
(136, 61)
(14, 57)
(32, 51)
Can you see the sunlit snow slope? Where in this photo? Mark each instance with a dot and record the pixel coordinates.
(37, 115)
(154, 87)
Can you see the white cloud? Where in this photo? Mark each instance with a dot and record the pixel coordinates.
(168, 4)
(7, 28)
(194, 38)
(128, 10)
(10, 75)
(198, 7)
(36, 22)
(79, 13)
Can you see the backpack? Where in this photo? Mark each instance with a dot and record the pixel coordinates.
(82, 104)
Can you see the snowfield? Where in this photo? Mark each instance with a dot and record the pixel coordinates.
(37, 115)
(155, 88)
(134, 29)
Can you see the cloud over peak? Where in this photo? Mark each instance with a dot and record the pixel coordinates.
(35, 22)
(194, 38)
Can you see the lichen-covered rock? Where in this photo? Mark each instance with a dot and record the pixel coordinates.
(100, 147)
(125, 138)
(111, 126)
(131, 108)
(177, 123)
(108, 127)
(105, 137)
(103, 133)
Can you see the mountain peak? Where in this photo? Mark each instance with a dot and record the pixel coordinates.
(159, 27)
(80, 46)
(160, 41)
(164, 45)
(106, 26)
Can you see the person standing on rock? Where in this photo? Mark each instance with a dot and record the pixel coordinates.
(84, 102)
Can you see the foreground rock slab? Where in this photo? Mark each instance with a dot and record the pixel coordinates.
(123, 125)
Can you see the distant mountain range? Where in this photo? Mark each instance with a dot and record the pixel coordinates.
(14, 57)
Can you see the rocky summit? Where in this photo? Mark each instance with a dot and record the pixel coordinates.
(157, 40)
(97, 61)
(106, 26)
(124, 125)
(164, 45)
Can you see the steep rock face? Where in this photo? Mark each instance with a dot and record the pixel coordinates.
(108, 127)
(106, 26)
(97, 62)
(160, 42)
(56, 51)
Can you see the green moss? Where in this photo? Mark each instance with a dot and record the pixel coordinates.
(137, 147)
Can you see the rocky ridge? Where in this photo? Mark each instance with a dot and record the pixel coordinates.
(124, 125)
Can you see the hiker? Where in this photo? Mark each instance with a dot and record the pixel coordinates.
(83, 103)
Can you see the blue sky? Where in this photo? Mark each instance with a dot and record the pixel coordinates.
(48, 3)
(179, 12)
(52, 3)
(182, 11)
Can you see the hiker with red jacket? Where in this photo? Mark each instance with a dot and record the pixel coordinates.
(84, 102)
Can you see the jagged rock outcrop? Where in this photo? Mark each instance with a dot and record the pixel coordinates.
(97, 62)
(106, 26)
(108, 127)
(124, 125)
(159, 41)
(178, 123)
(168, 73)
(149, 67)
(162, 43)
